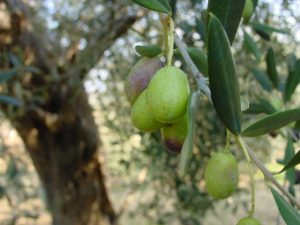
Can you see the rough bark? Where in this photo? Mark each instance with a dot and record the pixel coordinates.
(63, 147)
(58, 130)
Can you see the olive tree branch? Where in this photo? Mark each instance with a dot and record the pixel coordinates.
(203, 87)
(200, 79)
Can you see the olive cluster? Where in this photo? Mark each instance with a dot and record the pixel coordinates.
(159, 96)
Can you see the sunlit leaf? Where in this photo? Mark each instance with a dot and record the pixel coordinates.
(229, 12)
(272, 123)
(222, 76)
(289, 214)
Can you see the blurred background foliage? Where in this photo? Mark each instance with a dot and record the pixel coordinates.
(141, 174)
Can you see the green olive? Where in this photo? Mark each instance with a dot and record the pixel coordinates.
(248, 221)
(141, 115)
(167, 94)
(221, 175)
(139, 77)
(248, 9)
(174, 134)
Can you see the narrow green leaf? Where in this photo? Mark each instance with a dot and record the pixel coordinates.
(297, 125)
(148, 50)
(229, 13)
(12, 170)
(200, 28)
(262, 79)
(10, 100)
(268, 29)
(187, 148)
(166, 4)
(271, 67)
(198, 57)
(251, 46)
(288, 157)
(222, 77)
(292, 81)
(294, 161)
(173, 4)
(155, 5)
(2, 191)
(261, 106)
(16, 62)
(264, 35)
(289, 214)
(7, 75)
(272, 123)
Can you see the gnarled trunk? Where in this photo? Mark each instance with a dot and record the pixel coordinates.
(63, 147)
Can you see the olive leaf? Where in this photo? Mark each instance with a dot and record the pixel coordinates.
(289, 214)
(7, 75)
(229, 12)
(267, 29)
(148, 50)
(187, 148)
(294, 161)
(198, 57)
(261, 106)
(155, 5)
(222, 76)
(262, 79)
(200, 28)
(272, 123)
(271, 67)
(10, 100)
(292, 81)
(251, 46)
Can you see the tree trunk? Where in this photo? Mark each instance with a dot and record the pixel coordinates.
(63, 147)
(56, 122)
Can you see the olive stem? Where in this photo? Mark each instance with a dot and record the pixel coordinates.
(166, 35)
(249, 164)
(200, 79)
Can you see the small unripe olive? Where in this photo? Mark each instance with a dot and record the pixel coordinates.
(174, 134)
(248, 9)
(248, 221)
(167, 94)
(139, 77)
(221, 175)
(141, 115)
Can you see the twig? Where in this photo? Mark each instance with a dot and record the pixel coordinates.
(200, 79)
(268, 175)
(249, 163)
